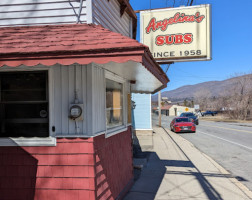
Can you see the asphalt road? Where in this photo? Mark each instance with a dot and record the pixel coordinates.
(229, 144)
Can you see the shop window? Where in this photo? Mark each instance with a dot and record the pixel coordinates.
(24, 104)
(114, 104)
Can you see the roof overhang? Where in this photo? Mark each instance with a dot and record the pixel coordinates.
(128, 58)
(135, 65)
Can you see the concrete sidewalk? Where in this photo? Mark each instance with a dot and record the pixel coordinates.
(177, 170)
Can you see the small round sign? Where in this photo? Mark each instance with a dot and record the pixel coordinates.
(186, 109)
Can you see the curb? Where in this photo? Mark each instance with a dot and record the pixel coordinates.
(240, 185)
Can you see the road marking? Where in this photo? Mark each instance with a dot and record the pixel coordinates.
(228, 128)
(226, 140)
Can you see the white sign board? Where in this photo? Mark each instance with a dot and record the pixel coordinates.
(177, 34)
(196, 107)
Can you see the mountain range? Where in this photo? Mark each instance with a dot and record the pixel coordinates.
(210, 88)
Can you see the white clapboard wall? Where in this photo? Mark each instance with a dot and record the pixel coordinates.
(107, 13)
(41, 12)
(38, 12)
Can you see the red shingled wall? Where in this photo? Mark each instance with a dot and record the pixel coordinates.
(114, 167)
(74, 169)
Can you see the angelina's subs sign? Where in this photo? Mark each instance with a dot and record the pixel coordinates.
(177, 34)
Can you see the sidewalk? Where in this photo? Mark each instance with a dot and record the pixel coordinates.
(176, 170)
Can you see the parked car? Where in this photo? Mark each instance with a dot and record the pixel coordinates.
(209, 112)
(191, 116)
(182, 124)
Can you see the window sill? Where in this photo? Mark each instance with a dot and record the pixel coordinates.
(114, 131)
(33, 141)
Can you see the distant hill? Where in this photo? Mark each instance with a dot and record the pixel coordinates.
(210, 88)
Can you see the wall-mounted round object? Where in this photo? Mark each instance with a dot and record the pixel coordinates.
(75, 112)
(43, 113)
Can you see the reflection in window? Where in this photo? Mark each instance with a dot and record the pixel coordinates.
(114, 103)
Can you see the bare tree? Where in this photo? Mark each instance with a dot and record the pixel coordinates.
(239, 103)
(203, 98)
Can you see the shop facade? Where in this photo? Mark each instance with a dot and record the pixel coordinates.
(65, 110)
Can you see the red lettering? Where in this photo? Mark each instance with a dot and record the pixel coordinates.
(151, 25)
(187, 38)
(185, 19)
(164, 25)
(191, 18)
(171, 21)
(178, 39)
(177, 18)
(200, 19)
(174, 39)
(169, 39)
(160, 40)
(159, 24)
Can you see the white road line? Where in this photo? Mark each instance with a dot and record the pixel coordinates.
(228, 128)
(226, 140)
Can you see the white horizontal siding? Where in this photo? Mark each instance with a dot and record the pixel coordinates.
(30, 12)
(107, 13)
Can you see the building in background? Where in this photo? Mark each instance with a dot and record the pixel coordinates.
(142, 120)
(173, 110)
(65, 124)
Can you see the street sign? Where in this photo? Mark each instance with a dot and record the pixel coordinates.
(177, 34)
(186, 109)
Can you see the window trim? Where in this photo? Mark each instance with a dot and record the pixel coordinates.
(118, 129)
(34, 141)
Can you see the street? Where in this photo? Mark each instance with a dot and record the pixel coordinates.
(229, 144)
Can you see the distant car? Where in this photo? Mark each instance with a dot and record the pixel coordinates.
(182, 124)
(191, 116)
(208, 112)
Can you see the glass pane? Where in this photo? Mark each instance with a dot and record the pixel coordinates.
(114, 103)
(25, 86)
(24, 104)
(25, 130)
(26, 111)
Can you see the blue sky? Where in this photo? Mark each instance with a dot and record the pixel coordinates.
(231, 42)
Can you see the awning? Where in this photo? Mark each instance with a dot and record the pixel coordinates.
(75, 43)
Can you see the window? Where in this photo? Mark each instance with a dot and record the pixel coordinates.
(182, 120)
(114, 104)
(24, 104)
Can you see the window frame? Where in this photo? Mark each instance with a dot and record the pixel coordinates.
(34, 141)
(118, 129)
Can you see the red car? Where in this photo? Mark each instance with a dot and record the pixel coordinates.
(182, 124)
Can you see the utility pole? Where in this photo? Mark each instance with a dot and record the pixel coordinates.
(159, 108)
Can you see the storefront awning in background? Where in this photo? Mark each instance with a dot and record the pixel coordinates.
(82, 44)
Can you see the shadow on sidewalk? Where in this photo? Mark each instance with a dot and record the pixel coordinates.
(148, 183)
(209, 190)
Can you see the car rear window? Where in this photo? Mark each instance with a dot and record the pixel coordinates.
(182, 120)
(189, 114)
